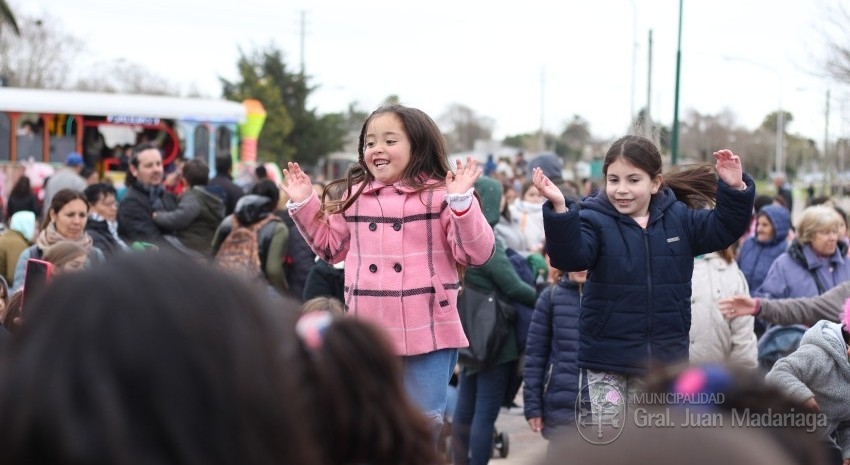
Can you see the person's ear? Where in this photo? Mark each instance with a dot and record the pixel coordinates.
(656, 184)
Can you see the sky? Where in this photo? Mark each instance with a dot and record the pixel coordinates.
(522, 64)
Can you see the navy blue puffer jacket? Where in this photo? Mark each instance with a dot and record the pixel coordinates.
(636, 306)
(550, 376)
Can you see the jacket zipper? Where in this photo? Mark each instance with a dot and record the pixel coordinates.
(649, 293)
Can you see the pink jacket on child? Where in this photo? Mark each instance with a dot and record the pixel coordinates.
(401, 250)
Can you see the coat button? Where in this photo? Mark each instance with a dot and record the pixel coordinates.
(373, 226)
(373, 268)
(397, 267)
(397, 226)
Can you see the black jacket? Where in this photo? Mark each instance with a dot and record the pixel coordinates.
(135, 216)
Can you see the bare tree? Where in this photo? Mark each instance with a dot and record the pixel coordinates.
(125, 77)
(834, 29)
(6, 16)
(40, 57)
(462, 127)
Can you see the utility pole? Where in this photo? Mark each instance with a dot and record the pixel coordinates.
(828, 189)
(542, 139)
(634, 62)
(649, 126)
(302, 34)
(675, 141)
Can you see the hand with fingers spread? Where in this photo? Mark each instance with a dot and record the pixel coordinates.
(549, 190)
(729, 169)
(296, 184)
(463, 178)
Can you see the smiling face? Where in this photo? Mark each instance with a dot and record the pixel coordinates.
(630, 188)
(149, 170)
(70, 220)
(386, 149)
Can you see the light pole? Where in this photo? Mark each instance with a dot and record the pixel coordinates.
(634, 59)
(779, 161)
(674, 143)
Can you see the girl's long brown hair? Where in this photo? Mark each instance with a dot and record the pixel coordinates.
(428, 167)
(695, 185)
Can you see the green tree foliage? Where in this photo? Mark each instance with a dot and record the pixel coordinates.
(292, 132)
(575, 136)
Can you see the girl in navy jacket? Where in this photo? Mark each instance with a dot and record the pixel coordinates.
(550, 377)
(638, 238)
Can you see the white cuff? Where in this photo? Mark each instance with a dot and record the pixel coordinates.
(460, 202)
(290, 205)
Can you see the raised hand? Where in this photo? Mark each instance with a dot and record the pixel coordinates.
(549, 190)
(463, 178)
(296, 184)
(729, 168)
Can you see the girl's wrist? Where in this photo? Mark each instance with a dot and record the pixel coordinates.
(756, 307)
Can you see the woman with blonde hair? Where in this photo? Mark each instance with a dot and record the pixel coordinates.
(814, 263)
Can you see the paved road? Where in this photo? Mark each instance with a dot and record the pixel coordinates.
(526, 447)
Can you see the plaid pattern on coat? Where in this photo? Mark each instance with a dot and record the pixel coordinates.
(401, 249)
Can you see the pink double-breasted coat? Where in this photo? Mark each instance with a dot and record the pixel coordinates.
(401, 250)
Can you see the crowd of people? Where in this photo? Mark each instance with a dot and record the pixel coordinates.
(188, 319)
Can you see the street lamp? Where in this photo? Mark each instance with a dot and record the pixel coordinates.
(674, 143)
(779, 162)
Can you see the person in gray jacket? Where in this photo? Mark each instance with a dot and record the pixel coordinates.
(818, 375)
(804, 310)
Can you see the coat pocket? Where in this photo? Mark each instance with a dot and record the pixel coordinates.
(593, 321)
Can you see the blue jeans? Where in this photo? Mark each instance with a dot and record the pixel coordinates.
(426, 379)
(480, 397)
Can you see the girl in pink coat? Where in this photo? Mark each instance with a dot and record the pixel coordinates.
(405, 225)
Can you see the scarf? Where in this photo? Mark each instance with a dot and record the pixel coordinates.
(50, 236)
(112, 227)
(154, 193)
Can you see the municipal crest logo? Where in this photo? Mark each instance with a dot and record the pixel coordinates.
(600, 412)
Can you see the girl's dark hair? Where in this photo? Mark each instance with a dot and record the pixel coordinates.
(170, 361)
(22, 187)
(428, 154)
(196, 172)
(97, 191)
(695, 186)
(267, 188)
(359, 401)
(62, 198)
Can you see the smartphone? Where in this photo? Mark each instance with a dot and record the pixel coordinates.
(36, 276)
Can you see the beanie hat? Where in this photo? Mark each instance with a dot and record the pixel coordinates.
(551, 165)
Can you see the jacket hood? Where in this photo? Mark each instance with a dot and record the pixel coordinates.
(827, 335)
(662, 200)
(252, 208)
(780, 218)
(490, 192)
(23, 222)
